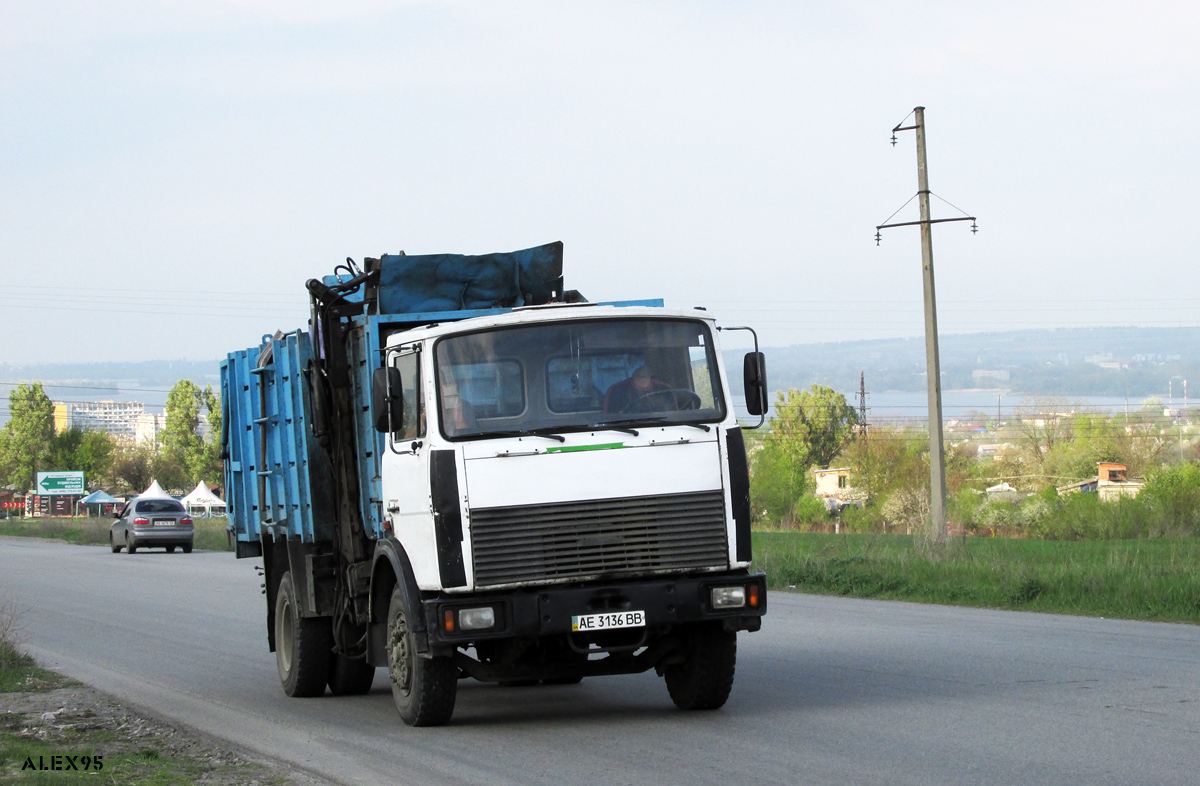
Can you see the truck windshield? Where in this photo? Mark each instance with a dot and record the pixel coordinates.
(577, 375)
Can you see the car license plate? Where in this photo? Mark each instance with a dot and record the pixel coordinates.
(164, 522)
(620, 619)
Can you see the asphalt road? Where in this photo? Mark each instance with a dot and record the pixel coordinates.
(831, 691)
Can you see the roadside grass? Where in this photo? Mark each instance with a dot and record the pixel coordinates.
(210, 534)
(1144, 579)
(18, 671)
(146, 766)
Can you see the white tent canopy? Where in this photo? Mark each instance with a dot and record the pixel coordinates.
(155, 491)
(202, 500)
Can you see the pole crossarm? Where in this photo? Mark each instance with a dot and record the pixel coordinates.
(930, 221)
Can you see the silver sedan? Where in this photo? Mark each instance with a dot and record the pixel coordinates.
(151, 522)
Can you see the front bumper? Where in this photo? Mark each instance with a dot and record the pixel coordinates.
(548, 611)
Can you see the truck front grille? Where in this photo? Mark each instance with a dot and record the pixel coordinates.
(570, 540)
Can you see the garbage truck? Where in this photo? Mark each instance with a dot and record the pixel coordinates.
(460, 470)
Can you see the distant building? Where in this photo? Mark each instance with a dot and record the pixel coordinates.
(149, 427)
(981, 373)
(118, 418)
(1111, 482)
(993, 450)
(834, 482)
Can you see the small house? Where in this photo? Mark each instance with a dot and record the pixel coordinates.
(1111, 482)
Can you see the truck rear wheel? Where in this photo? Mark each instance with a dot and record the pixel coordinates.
(424, 688)
(703, 681)
(350, 676)
(303, 645)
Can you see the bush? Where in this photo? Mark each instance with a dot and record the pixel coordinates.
(907, 510)
(1086, 517)
(11, 656)
(1174, 495)
(810, 510)
(862, 520)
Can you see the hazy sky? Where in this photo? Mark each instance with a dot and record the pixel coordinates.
(172, 172)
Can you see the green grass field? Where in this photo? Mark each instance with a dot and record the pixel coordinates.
(1146, 579)
(209, 533)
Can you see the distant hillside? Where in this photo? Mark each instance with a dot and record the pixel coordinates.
(1037, 362)
(148, 382)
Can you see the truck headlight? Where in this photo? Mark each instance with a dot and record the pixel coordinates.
(476, 619)
(728, 597)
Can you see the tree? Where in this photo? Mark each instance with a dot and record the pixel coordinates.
(809, 427)
(211, 468)
(25, 441)
(180, 440)
(137, 465)
(1043, 424)
(812, 426)
(187, 457)
(76, 449)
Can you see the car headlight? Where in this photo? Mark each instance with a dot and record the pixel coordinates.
(477, 619)
(728, 597)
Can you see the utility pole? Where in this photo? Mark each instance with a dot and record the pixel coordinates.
(862, 401)
(937, 450)
(862, 427)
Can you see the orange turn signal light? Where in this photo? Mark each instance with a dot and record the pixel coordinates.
(752, 595)
(448, 620)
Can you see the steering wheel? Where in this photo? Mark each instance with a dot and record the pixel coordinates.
(651, 400)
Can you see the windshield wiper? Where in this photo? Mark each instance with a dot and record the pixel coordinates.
(524, 433)
(612, 427)
(657, 423)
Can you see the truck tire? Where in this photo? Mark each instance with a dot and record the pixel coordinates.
(424, 689)
(303, 645)
(703, 681)
(350, 676)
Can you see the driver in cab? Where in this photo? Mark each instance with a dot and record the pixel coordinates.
(640, 393)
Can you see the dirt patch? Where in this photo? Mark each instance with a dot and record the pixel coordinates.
(76, 721)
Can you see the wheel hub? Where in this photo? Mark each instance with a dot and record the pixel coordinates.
(399, 662)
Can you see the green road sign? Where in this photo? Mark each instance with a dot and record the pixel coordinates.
(60, 483)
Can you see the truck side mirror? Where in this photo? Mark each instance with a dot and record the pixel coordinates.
(387, 399)
(754, 378)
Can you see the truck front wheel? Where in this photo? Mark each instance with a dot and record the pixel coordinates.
(303, 645)
(705, 678)
(424, 688)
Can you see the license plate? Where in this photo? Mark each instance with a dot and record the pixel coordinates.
(164, 522)
(620, 619)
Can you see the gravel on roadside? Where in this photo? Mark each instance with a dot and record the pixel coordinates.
(73, 719)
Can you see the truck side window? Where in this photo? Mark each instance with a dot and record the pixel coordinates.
(409, 366)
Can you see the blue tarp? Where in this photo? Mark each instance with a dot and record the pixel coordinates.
(455, 282)
(98, 498)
